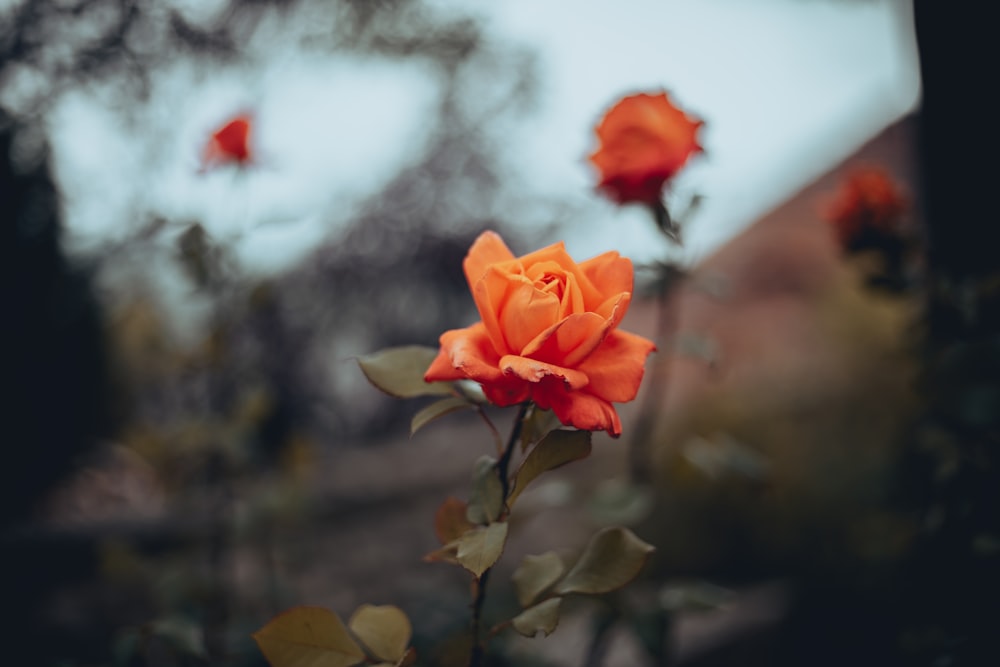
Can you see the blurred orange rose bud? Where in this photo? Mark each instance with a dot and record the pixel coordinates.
(230, 144)
(868, 205)
(644, 140)
(548, 333)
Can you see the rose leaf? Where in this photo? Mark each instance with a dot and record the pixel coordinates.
(384, 630)
(535, 574)
(450, 521)
(486, 499)
(399, 371)
(481, 547)
(437, 410)
(612, 558)
(556, 449)
(543, 617)
(308, 635)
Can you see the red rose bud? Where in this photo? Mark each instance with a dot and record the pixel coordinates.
(868, 204)
(644, 140)
(230, 144)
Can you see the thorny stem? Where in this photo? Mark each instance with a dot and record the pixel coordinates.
(478, 644)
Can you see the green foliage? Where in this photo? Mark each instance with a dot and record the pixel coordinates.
(543, 617)
(437, 410)
(316, 637)
(308, 636)
(486, 501)
(556, 449)
(399, 371)
(481, 547)
(620, 502)
(476, 550)
(535, 574)
(536, 426)
(693, 596)
(384, 630)
(450, 520)
(612, 558)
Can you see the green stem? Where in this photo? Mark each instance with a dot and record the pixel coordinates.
(478, 643)
(493, 429)
(515, 435)
(642, 431)
(600, 634)
(665, 223)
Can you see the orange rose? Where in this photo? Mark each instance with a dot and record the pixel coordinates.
(644, 141)
(229, 144)
(868, 203)
(548, 333)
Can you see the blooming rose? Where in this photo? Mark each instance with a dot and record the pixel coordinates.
(229, 144)
(868, 203)
(548, 333)
(644, 140)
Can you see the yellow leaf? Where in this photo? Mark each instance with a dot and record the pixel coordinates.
(481, 547)
(445, 554)
(535, 574)
(308, 636)
(543, 617)
(385, 630)
(556, 449)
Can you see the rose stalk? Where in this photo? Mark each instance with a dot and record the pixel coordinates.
(548, 337)
(644, 140)
(548, 342)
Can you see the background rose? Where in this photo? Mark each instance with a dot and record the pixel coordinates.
(548, 333)
(230, 144)
(868, 202)
(644, 140)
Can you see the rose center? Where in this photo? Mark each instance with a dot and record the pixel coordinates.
(551, 283)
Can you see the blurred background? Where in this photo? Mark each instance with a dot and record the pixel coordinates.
(192, 449)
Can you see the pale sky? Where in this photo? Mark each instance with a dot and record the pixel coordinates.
(787, 87)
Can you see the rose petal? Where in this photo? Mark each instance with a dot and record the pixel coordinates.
(644, 140)
(612, 272)
(466, 353)
(490, 293)
(527, 312)
(615, 368)
(553, 253)
(533, 370)
(580, 409)
(486, 250)
(510, 391)
(569, 341)
(469, 354)
(442, 369)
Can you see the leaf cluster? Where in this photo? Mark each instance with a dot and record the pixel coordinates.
(613, 557)
(378, 635)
